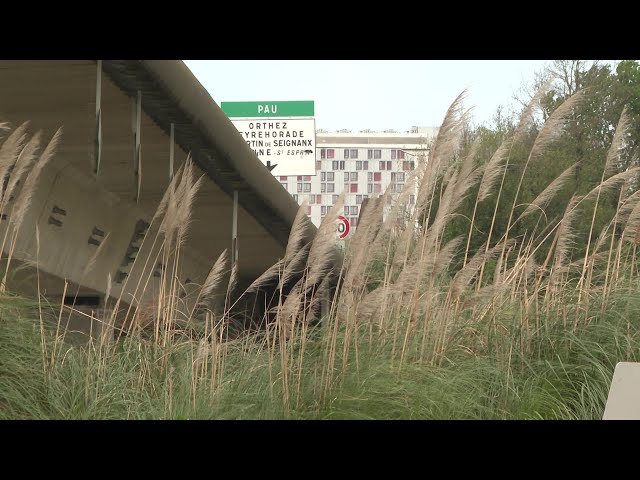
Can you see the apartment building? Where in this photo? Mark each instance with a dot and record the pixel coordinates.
(362, 165)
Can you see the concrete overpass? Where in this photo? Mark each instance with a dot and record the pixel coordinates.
(122, 120)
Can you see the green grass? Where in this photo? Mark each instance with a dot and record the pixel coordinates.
(559, 375)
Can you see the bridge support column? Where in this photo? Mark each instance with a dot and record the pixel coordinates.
(172, 142)
(97, 142)
(137, 160)
(234, 231)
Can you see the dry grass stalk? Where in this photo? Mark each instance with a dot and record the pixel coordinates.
(11, 148)
(555, 124)
(543, 199)
(618, 142)
(92, 261)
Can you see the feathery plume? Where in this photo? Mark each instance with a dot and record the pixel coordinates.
(564, 234)
(466, 274)
(233, 279)
(617, 143)
(613, 182)
(215, 276)
(271, 273)
(298, 230)
(555, 124)
(493, 169)
(168, 193)
(543, 199)
(23, 163)
(26, 194)
(527, 113)
(92, 261)
(445, 255)
(10, 149)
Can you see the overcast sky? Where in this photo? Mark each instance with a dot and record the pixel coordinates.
(375, 94)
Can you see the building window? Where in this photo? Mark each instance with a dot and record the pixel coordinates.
(283, 179)
(307, 187)
(330, 176)
(307, 178)
(397, 154)
(328, 153)
(389, 165)
(359, 165)
(354, 221)
(370, 177)
(323, 187)
(299, 187)
(354, 153)
(338, 165)
(295, 197)
(399, 187)
(370, 188)
(377, 188)
(354, 210)
(382, 166)
(334, 199)
(308, 210)
(354, 176)
(374, 154)
(323, 176)
(365, 165)
(346, 176)
(346, 210)
(359, 199)
(284, 185)
(354, 188)
(346, 153)
(377, 176)
(400, 177)
(318, 165)
(331, 187)
(299, 178)
(408, 165)
(323, 210)
(412, 199)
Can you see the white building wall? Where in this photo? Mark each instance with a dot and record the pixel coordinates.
(415, 148)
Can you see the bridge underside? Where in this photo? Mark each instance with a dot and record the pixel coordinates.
(74, 207)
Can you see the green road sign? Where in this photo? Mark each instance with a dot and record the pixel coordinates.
(268, 109)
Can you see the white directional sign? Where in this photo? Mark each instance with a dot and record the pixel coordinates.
(282, 134)
(287, 144)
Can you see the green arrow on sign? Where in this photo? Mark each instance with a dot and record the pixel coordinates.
(269, 109)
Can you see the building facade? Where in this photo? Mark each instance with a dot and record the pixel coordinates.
(360, 164)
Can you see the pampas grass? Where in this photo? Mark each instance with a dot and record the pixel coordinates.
(382, 327)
